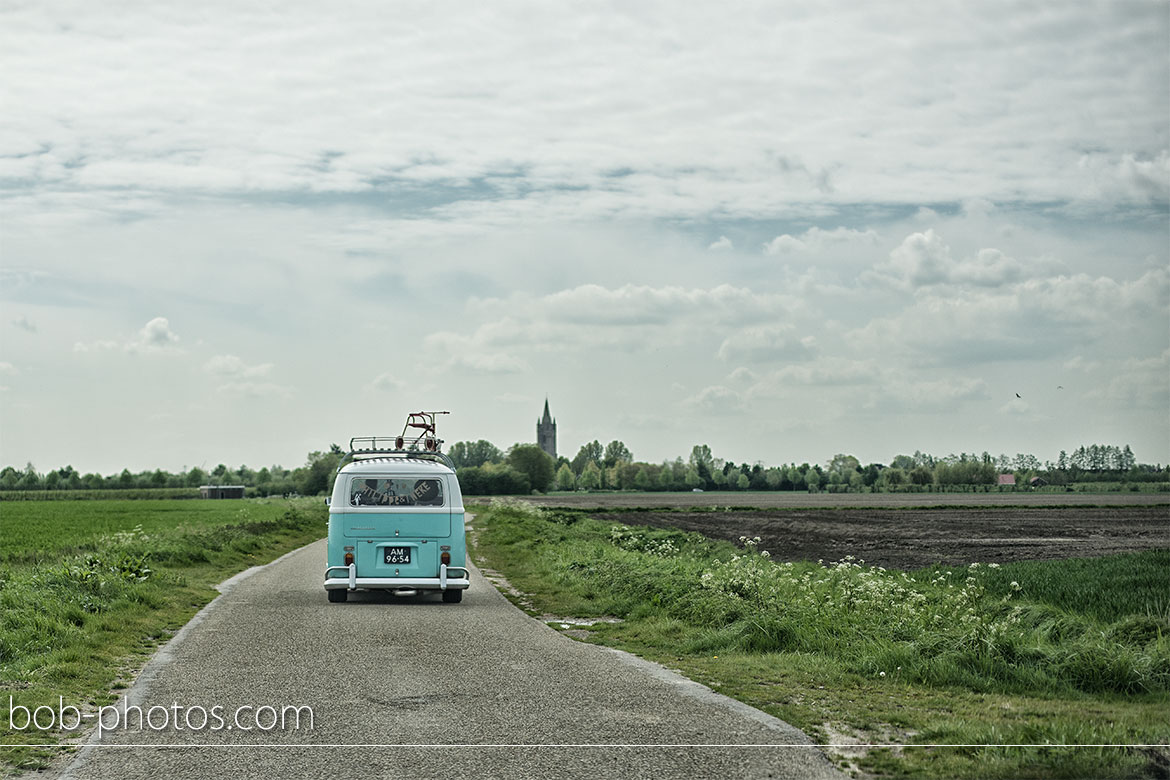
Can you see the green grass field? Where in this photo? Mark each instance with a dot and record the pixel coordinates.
(89, 588)
(1057, 653)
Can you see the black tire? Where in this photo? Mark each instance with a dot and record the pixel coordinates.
(453, 596)
(338, 595)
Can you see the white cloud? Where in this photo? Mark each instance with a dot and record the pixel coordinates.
(230, 365)
(717, 400)
(742, 376)
(767, 343)
(1079, 363)
(924, 260)
(387, 381)
(241, 378)
(900, 394)
(783, 245)
(1139, 383)
(155, 336)
(1016, 406)
(827, 371)
(815, 239)
(1034, 319)
(491, 363)
(8, 368)
(1130, 177)
(624, 138)
(633, 306)
(562, 230)
(474, 354)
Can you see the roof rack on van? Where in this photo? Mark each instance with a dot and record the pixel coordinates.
(426, 446)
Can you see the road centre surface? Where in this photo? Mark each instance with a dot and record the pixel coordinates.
(417, 688)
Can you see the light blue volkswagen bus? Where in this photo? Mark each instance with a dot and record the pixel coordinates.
(396, 518)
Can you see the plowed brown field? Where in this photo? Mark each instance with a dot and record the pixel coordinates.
(908, 538)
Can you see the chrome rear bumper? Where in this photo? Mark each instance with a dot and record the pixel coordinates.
(445, 580)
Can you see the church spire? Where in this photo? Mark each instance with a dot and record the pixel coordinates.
(546, 431)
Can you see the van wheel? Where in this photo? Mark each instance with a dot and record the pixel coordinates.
(338, 595)
(452, 596)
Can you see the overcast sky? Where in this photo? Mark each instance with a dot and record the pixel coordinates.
(237, 232)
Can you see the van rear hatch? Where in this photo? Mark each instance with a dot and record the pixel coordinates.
(419, 524)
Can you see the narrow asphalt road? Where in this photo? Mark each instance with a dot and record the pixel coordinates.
(412, 687)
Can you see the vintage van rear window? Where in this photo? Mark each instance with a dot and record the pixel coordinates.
(390, 491)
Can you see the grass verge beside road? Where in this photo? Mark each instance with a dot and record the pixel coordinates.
(1037, 655)
(88, 589)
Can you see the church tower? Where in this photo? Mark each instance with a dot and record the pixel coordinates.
(546, 432)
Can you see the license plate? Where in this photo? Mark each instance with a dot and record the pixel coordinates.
(396, 555)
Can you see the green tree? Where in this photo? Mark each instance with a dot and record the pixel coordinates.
(533, 462)
(921, 475)
(841, 464)
(590, 476)
(592, 452)
(317, 476)
(503, 479)
(1127, 460)
(615, 453)
(565, 478)
(701, 457)
(742, 482)
(642, 479)
(474, 453)
(903, 462)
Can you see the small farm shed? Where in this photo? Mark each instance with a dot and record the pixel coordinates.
(1037, 482)
(1007, 480)
(221, 491)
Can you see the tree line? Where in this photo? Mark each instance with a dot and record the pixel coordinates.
(485, 469)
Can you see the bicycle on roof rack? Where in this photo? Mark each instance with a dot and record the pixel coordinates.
(396, 517)
(428, 444)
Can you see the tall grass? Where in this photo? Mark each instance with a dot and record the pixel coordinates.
(981, 628)
(87, 586)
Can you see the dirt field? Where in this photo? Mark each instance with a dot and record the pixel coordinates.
(781, 499)
(912, 538)
(960, 532)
